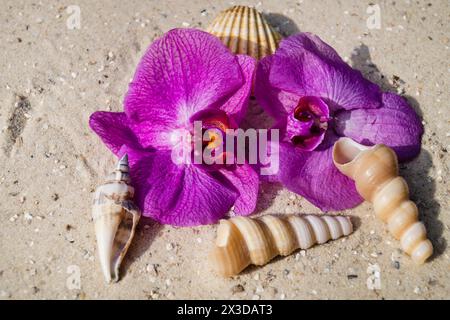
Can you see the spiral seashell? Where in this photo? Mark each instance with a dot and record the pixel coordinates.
(115, 218)
(242, 241)
(375, 171)
(244, 30)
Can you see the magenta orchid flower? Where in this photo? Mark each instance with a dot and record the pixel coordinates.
(315, 98)
(185, 76)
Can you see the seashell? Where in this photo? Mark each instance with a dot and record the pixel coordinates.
(242, 241)
(115, 218)
(375, 171)
(244, 30)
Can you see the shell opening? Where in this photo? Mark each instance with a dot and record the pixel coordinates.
(346, 150)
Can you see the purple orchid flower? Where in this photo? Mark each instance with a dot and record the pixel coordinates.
(187, 75)
(315, 98)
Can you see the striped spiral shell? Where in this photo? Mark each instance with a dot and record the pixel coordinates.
(115, 219)
(375, 172)
(242, 241)
(244, 30)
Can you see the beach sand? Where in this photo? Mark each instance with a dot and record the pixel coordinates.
(53, 77)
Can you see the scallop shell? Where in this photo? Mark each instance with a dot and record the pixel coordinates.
(115, 218)
(242, 241)
(244, 30)
(375, 172)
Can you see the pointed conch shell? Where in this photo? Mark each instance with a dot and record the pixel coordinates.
(115, 217)
(242, 241)
(375, 171)
(244, 30)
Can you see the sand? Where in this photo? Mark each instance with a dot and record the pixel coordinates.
(53, 78)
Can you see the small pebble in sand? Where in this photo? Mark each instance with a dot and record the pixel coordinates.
(152, 269)
(417, 290)
(256, 297)
(185, 24)
(256, 277)
(14, 218)
(237, 289)
(27, 216)
(259, 289)
(169, 246)
(154, 294)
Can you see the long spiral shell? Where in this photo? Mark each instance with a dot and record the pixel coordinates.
(242, 241)
(375, 172)
(115, 218)
(244, 30)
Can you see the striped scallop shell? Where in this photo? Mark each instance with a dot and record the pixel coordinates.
(245, 31)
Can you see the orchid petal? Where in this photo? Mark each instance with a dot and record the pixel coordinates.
(183, 72)
(307, 66)
(246, 181)
(179, 195)
(275, 102)
(113, 129)
(396, 125)
(236, 106)
(313, 175)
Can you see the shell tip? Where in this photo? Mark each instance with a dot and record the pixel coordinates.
(123, 160)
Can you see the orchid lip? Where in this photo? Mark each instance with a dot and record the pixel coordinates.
(208, 130)
(308, 122)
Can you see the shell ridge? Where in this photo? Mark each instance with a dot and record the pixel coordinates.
(268, 236)
(244, 30)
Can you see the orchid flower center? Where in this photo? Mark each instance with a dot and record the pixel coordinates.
(307, 123)
(213, 131)
(209, 136)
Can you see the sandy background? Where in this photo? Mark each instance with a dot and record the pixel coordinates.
(53, 78)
